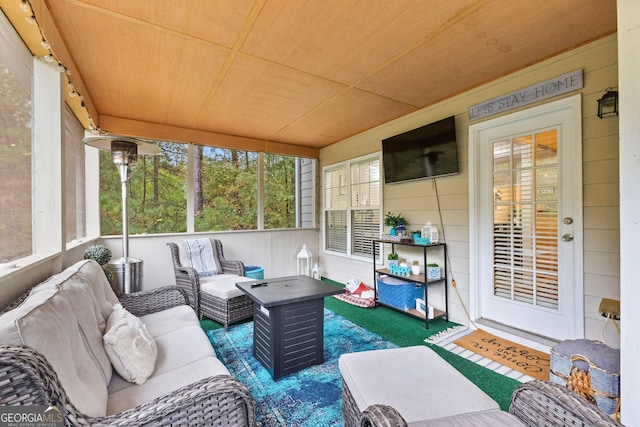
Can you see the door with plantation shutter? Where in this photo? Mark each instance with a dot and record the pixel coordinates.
(529, 222)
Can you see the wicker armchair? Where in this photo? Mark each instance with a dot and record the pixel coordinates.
(27, 378)
(222, 310)
(535, 403)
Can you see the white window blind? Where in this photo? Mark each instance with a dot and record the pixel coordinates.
(525, 226)
(352, 194)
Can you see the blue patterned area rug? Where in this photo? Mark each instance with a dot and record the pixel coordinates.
(310, 397)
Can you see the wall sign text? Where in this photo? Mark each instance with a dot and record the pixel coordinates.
(547, 89)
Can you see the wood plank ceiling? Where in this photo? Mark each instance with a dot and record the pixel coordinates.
(306, 73)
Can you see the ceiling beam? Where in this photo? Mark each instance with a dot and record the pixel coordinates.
(141, 129)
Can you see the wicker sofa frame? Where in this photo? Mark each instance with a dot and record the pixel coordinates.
(535, 403)
(26, 378)
(224, 311)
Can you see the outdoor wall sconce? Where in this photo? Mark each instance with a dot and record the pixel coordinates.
(608, 104)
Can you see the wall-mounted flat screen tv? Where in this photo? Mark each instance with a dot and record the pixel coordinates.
(426, 152)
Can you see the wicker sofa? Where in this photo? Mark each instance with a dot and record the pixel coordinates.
(52, 353)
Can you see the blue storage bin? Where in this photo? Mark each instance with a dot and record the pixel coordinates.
(254, 272)
(399, 293)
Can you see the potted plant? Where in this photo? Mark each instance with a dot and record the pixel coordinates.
(100, 254)
(415, 268)
(402, 262)
(433, 270)
(393, 220)
(392, 258)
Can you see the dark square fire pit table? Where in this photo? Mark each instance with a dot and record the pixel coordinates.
(288, 322)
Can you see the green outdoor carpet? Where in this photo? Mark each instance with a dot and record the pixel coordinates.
(404, 331)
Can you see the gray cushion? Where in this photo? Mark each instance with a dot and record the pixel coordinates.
(416, 381)
(601, 355)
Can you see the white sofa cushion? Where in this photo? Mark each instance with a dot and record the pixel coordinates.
(416, 381)
(131, 349)
(223, 285)
(46, 322)
(92, 297)
(185, 355)
(169, 320)
(168, 382)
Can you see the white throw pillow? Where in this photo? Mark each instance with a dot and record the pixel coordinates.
(130, 348)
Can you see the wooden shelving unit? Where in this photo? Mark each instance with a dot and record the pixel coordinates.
(420, 278)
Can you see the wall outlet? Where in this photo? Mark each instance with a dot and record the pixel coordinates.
(610, 308)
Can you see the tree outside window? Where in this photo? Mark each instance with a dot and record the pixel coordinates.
(225, 189)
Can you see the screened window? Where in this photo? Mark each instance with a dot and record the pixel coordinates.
(280, 191)
(157, 198)
(224, 189)
(16, 75)
(75, 199)
(227, 189)
(352, 206)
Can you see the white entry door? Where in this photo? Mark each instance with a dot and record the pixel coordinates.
(526, 219)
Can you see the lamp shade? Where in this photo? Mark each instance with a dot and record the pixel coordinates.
(104, 143)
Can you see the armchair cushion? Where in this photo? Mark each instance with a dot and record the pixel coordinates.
(223, 286)
(201, 255)
(130, 347)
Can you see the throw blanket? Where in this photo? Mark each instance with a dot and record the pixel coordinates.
(201, 257)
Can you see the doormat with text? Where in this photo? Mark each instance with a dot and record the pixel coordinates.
(515, 356)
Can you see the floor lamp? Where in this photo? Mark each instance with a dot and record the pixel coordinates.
(124, 154)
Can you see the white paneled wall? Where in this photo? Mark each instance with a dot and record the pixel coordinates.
(418, 203)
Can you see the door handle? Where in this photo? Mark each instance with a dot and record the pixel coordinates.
(567, 237)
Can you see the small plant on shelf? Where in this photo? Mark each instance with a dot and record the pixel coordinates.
(433, 270)
(415, 268)
(392, 220)
(393, 259)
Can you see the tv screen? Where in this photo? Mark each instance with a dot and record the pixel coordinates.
(426, 152)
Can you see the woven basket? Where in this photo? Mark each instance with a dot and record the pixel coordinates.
(587, 379)
(580, 380)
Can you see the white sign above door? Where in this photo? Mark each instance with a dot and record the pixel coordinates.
(547, 89)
